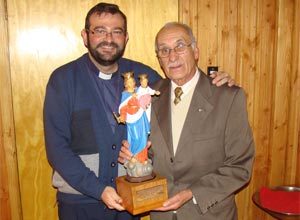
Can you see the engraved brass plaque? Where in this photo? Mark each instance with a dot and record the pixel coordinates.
(144, 196)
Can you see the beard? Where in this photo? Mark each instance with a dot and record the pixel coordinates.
(103, 59)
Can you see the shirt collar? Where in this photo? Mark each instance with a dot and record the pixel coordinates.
(188, 86)
(104, 76)
(96, 71)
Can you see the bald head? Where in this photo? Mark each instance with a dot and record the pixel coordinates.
(178, 25)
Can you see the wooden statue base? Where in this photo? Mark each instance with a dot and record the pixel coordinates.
(140, 179)
(144, 196)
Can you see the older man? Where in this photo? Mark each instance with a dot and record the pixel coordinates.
(201, 139)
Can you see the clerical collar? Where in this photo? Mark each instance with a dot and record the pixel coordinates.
(105, 76)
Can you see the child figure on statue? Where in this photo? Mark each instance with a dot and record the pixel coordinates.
(145, 93)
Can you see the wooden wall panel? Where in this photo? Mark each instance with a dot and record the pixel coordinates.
(294, 128)
(5, 206)
(44, 35)
(10, 204)
(203, 20)
(145, 18)
(5, 209)
(263, 93)
(227, 35)
(37, 46)
(257, 42)
(246, 75)
(293, 152)
(282, 93)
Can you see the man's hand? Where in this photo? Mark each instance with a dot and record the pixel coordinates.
(124, 154)
(220, 78)
(176, 201)
(111, 199)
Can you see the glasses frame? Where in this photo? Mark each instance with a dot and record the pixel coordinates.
(176, 49)
(102, 33)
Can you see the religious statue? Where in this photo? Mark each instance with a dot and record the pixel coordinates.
(134, 110)
(140, 189)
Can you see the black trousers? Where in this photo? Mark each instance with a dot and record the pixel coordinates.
(92, 211)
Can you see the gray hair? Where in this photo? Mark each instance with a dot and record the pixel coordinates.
(178, 24)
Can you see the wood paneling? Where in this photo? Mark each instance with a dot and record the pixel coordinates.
(227, 35)
(294, 117)
(204, 22)
(257, 42)
(263, 93)
(293, 153)
(281, 92)
(145, 18)
(10, 204)
(246, 75)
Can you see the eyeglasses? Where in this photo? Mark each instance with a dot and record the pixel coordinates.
(101, 33)
(179, 49)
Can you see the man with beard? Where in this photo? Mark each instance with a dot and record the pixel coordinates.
(82, 137)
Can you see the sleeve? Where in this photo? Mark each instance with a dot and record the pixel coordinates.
(151, 91)
(57, 121)
(237, 167)
(153, 77)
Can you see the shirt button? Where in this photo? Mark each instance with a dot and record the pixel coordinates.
(113, 164)
(113, 146)
(112, 179)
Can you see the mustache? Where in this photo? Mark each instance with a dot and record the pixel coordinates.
(170, 65)
(105, 44)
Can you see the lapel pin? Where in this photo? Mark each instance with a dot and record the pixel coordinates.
(200, 110)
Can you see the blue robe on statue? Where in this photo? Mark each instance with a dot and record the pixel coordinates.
(138, 125)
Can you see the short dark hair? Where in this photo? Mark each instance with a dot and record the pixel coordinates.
(104, 8)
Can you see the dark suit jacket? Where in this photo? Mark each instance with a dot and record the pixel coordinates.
(215, 151)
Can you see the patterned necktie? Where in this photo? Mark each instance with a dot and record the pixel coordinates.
(178, 92)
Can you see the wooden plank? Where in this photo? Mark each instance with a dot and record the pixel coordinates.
(5, 208)
(282, 91)
(145, 18)
(263, 106)
(227, 35)
(206, 21)
(247, 43)
(10, 204)
(296, 89)
(292, 174)
(184, 11)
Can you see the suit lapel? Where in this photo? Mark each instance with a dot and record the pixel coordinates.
(199, 109)
(162, 109)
